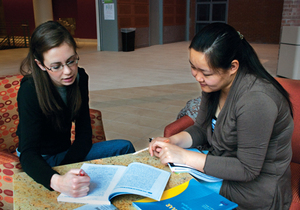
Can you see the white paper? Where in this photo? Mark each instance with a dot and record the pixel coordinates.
(182, 168)
(109, 12)
(96, 207)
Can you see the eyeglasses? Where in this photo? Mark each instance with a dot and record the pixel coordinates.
(72, 62)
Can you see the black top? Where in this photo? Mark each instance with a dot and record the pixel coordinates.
(38, 136)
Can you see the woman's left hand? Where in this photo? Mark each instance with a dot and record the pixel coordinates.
(170, 153)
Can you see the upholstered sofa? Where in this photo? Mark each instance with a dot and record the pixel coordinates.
(293, 88)
(9, 119)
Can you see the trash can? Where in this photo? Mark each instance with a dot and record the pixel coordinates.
(128, 37)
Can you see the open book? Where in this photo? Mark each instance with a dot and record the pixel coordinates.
(108, 181)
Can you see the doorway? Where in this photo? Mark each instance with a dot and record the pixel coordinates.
(210, 11)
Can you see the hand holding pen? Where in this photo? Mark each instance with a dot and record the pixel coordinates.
(82, 173)
(154, 149)
(166, 140)
(74, 183)
(147, 148)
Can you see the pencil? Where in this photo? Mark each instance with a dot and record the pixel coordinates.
(142, 150)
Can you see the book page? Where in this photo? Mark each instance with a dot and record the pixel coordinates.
(182, 168)
(97, 207)
(103, 180)
(142, 179)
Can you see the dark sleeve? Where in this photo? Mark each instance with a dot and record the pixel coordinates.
(30, 131)
(255, 118)
(83, 130)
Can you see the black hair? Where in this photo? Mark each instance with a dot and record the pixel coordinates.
(222, 44)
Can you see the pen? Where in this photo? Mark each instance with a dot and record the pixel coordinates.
(81, 172)
(167, 140)
(141, 151)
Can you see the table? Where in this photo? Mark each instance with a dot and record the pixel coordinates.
(30, 195)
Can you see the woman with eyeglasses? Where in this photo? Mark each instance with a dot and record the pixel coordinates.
(245, 121)
(52, 95)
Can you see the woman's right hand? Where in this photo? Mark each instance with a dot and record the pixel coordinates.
(71, 183)
(182, 139)
(153, 149)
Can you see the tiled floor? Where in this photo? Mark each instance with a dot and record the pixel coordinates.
(138, 92)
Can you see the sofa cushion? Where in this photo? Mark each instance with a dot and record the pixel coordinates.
(9, 117)
(7, 170)
(6, 157)
(295, 169)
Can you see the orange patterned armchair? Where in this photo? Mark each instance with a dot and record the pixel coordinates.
(293, 88)
(9, 119)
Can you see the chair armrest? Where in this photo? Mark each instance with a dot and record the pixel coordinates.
(6, 157)
(7, 170)
(98, 134)
(292, 87)
(178, 126)
(295, 171)
(97, 126)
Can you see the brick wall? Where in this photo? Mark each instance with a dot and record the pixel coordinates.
(258, 20)
(291, 13)
(174, 15)
(134, 14)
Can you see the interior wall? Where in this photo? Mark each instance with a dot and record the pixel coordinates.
(82, 11)
(19, 12)
(86, 19)
(258, 20)
(174, 20)
(291, 13)
(192, 19)
(134, 14)
(2, 20)
(155, 23)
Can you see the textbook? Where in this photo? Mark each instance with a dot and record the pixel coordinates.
(108, 181)
(182, 168)
(190, 195)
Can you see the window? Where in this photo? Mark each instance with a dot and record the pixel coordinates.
(209, 11)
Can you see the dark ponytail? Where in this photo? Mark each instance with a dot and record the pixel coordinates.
(222, 44)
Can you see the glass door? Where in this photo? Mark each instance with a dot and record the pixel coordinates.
(209, 11)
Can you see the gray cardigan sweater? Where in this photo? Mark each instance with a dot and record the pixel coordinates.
(250, 147)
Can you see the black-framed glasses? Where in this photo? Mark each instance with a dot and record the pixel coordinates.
(71, 62)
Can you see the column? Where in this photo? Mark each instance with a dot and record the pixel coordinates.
(42, 11)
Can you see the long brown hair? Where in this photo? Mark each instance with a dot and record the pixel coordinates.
(45, 37)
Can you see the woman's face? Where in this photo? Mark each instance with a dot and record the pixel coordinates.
(57, 56)
(210, 80)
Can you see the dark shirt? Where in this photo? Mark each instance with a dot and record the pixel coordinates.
(38, 136)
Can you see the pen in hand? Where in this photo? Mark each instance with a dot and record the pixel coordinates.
(157, 149)
(167, 140)
(81, 172)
